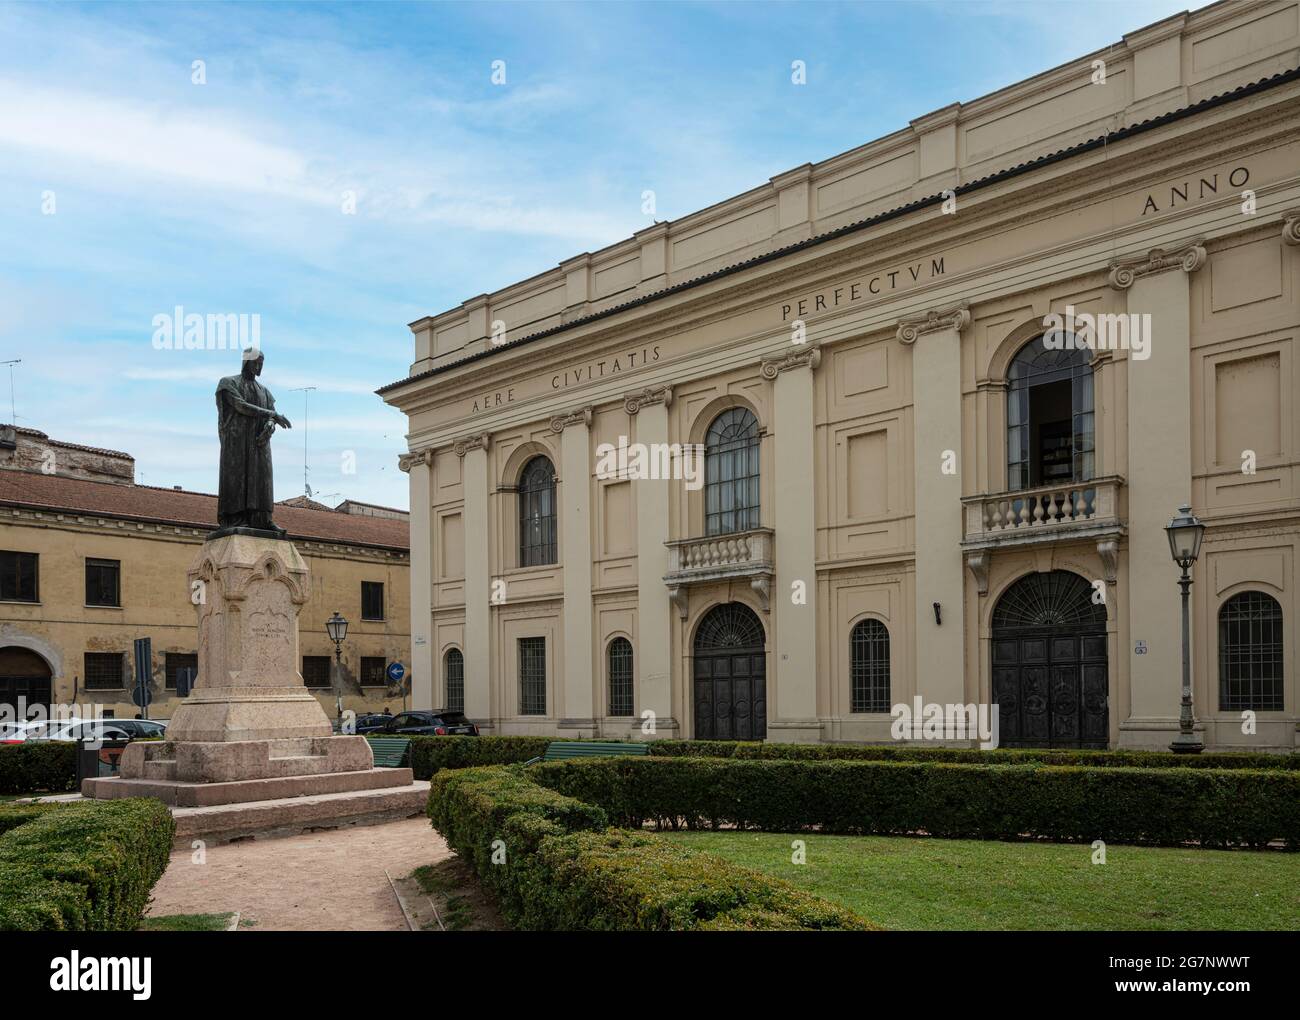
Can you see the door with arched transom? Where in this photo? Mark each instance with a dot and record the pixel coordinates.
(730, 675)
(1050, 676)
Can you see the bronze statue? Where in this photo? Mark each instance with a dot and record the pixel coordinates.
(246, 419)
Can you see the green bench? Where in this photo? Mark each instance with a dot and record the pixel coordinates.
(389, 752)
(560, 750)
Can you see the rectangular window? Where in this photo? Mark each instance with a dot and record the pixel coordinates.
(532, 676)
(373, 671)
(177, 661)
(18, 574)
(316, 670)
(372, 600)
(103, 671)
(103, 582)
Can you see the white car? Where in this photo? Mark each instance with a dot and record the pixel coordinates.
(81, 729)
(18, 732)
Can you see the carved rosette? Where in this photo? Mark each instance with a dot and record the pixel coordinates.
(583, 415)
(633, 402)
(802, 356)
(1126, 271)
(1291, 227)
(956, 318)
(478, 442)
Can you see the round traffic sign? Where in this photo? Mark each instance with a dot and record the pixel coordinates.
(396, 671)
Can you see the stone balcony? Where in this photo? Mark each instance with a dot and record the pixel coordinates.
(1049, 513)
(744, 555)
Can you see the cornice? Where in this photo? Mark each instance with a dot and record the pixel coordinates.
(1126, 271)
(633, 402)
(807, 356)
(911, 329)
(583, 416)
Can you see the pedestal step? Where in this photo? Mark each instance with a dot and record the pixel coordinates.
(182, 794)
(270, 819)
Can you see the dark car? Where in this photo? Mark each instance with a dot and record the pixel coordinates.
(372, 722)
(438, 723)
(138, 728)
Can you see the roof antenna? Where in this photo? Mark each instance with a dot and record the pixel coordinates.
(304, 390)
(13, 407)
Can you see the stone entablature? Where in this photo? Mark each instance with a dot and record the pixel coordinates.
(1146, 75)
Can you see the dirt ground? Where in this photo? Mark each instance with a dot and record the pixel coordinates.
(322, 881)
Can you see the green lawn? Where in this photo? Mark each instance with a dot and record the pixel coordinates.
(936, 884)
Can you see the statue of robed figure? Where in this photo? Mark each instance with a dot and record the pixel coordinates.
(246, 419)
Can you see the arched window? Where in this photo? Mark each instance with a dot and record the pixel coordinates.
(453, 674)
(1250, 653)
(620, 677)
(1049, 413)
(731, 473)
(869, 666)
(537, 513)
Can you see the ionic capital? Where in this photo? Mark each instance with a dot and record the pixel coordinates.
(802, 356)
(408, 460)
(584, 415)
(633, 402)
(1187, 257)
(956, 318)
(1291, 227)
(476, 442)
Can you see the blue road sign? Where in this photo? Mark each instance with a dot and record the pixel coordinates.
(396, 671)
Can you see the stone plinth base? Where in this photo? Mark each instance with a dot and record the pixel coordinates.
(226, 761)
(177, 793)
(269, 819)
(248, 713)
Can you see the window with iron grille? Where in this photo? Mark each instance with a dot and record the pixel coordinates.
(103, 579)
(620, 677)
(174, 663)
(374, 671)
(731, 473)
(453, 672)
(18, 575)
(316, 671)
(103, 671)
(532, 676)
(869, 666)
(1250, 653)
(372, 600)
(537, 513)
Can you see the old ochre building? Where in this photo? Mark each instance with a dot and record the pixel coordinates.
(950, 387)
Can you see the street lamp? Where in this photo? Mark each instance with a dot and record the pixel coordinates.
(337, 628)
(1185, 533)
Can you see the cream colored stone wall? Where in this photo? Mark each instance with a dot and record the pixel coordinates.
(910, 326)
(155, 603)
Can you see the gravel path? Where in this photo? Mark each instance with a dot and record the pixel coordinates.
(322, 881)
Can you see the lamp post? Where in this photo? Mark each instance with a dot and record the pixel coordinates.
(1185, 533)
(337, 628)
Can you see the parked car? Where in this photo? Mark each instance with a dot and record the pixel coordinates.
(141, 727)
(438, 723)
(18, 732)
(86, 729)
(372, 722)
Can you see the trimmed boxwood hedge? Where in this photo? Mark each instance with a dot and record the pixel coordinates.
(38, 765)
(564, 869)
(1215, 807)
(84, 866)
(431, 754)
(971, 755)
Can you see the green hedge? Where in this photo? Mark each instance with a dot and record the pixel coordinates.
(429, 755)
(84, 866)
(971, 756)
(38, 765)
(1171, 806)
(564, 869)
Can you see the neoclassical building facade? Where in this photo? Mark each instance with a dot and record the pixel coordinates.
(947, 389)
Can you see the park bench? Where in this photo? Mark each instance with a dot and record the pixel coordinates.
(560, 750)
(389, 752)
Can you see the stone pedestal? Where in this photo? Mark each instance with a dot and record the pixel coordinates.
(250, 731)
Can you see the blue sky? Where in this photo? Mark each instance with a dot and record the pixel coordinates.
(228, 197)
